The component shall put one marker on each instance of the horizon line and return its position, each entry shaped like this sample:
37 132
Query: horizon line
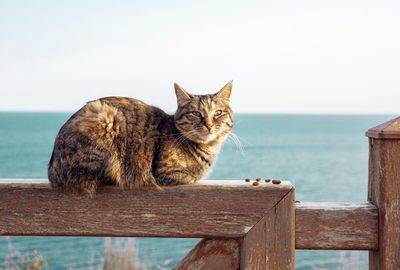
239 112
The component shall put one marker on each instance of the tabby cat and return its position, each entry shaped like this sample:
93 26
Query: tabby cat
124 141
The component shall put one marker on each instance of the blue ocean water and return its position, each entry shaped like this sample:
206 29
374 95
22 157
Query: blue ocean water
324 156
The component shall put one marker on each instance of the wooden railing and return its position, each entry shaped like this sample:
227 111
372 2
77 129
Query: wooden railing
243 226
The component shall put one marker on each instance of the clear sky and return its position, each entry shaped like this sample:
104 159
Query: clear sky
284 56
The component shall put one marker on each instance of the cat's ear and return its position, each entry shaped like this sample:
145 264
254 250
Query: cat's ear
181 95
225 92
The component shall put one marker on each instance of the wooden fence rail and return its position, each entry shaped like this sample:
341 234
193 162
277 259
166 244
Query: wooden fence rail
226 209
341 226
244 226
250 215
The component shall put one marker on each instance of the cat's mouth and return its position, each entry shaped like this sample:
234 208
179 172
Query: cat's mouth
202 136
205 135
210 136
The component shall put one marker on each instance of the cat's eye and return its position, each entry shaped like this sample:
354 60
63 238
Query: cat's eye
218 113
196 113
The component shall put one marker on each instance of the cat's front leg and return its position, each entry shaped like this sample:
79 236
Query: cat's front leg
175 177
136 180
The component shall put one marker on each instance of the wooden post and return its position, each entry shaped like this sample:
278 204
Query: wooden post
384 192
270 244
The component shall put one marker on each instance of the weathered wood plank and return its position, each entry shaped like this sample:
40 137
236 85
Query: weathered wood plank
318 225
209 209
270 244
212 254
336 226
384 192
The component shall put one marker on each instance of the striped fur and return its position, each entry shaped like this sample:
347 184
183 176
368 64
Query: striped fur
125 142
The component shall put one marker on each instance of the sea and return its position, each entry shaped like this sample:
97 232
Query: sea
324 156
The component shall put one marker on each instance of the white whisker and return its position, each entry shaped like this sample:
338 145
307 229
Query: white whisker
235 139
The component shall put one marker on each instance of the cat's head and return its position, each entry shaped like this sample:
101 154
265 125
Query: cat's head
204 118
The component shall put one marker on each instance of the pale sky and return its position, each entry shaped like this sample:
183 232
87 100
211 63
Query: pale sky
284 56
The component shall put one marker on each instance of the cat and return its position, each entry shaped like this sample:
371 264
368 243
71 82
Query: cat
125 142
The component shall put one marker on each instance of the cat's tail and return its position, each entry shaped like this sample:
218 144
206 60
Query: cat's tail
101 121
79 159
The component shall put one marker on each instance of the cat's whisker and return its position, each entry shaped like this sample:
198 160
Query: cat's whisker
181 138
242 139
230 139
240 147
235 139
238 139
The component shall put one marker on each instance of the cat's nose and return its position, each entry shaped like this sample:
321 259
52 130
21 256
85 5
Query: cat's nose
208 126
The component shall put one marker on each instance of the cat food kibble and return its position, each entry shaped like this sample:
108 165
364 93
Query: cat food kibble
276 182
267 180
256 183
247 180
258 179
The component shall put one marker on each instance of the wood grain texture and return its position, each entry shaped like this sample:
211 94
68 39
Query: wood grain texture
318 225
387 130
212 254
210 209
270 244
336 226
384 192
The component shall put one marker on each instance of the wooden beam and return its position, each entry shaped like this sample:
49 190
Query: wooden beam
209 209
384 192
336 226
270 244
318 225
212 254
